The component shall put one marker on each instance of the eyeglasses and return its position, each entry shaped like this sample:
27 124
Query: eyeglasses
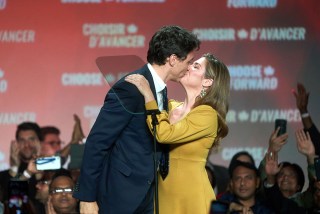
61 190
43 182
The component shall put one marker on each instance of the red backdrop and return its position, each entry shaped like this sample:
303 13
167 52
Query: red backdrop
48 51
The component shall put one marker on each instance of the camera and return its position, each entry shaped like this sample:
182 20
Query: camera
282 123
48 163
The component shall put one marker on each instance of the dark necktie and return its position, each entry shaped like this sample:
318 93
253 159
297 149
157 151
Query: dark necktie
164 160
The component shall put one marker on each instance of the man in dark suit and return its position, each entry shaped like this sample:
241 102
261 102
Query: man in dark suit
117 171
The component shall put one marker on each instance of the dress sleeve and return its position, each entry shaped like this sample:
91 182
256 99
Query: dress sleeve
200 122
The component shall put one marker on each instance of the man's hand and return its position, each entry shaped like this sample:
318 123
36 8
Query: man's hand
77 134
302 98
272 167
14 154
276 143
305 145
89 207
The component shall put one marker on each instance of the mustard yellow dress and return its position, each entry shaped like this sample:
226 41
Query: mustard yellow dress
186 189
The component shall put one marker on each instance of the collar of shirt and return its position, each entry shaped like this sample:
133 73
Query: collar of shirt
158 84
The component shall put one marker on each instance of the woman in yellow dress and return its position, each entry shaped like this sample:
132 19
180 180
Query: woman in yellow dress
191 128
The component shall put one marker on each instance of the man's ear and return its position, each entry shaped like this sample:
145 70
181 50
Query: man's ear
207 82
172 59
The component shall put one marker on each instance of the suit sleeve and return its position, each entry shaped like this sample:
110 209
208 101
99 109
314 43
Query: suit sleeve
114 116
200 121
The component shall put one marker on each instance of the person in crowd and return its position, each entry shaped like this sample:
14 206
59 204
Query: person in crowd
191 128
316 199
42 193
51 143
302 99
118 168
222 178
243 156
244 184
284 183
218 183
23 150
60 197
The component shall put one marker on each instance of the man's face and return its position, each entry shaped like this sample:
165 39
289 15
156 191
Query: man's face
28 144
181 67
287 180
61 195
50 145
244 183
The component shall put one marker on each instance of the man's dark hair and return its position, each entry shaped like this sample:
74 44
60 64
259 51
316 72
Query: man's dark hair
26 126
59 173
49 130
171 40
247 165
235 158
299 172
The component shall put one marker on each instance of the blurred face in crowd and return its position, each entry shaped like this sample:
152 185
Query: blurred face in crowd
28 144
244 183
50 145
42 193
287 180
61 195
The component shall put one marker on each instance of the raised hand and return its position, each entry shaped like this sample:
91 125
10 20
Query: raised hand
302 98
305 145
272 167
14 154
276 143
77 133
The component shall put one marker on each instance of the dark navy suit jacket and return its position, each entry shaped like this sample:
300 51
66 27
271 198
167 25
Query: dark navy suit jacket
117 167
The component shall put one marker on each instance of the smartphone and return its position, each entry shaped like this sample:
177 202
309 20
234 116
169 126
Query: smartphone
48 163
317 167
282 123
219 207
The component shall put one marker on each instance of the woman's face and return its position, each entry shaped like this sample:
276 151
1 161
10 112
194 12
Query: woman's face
195 74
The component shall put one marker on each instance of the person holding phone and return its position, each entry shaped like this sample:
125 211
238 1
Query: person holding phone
22 152
284 183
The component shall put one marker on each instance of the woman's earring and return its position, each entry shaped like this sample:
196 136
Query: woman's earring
202 92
